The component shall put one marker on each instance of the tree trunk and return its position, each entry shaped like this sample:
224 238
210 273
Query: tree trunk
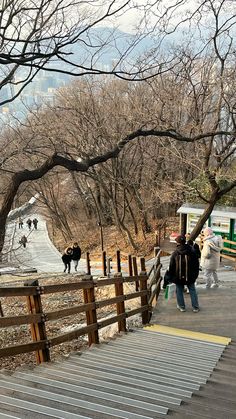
204 217
6 207
132 217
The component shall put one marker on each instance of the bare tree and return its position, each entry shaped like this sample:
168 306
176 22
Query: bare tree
203 70
69 37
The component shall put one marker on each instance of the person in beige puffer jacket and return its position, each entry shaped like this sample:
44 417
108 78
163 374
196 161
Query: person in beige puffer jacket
210 257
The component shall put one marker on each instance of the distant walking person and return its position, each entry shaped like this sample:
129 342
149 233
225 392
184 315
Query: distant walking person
184 270
29 223
66 258
23 241
210 257
20 222
76 255
35 223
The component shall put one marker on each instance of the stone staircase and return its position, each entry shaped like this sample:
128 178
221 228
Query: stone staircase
143 374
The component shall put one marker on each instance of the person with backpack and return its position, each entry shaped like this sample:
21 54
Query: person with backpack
76 254
66 258
184 270
210 257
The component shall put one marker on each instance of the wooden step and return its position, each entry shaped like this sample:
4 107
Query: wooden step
143 375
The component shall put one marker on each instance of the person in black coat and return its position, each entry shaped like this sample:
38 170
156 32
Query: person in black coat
184 270
66 258
76 254
23 241
35 223
194 245
29 223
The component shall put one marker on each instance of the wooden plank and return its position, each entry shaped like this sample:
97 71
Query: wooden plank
114 300
120 306
153 295
18 320
133 278
53 315
142 265
22 349
66 337
150 271
229 250
135 271
18 291
111 320
233 258
1 310
104 263
228 256
85 296
136 294
136 311
130 267
118 261
143 286
38 330
49 289
155 277
229 241
91 315
115 319
110 281
88 264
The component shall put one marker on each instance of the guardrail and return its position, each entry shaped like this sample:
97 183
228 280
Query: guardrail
229 252
147 288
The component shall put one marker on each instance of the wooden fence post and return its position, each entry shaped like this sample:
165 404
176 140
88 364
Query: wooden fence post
135 269
118 263
1 310
130 265
88 264
156 250
104 263
120 307
91 315
143 287
38 330
142 265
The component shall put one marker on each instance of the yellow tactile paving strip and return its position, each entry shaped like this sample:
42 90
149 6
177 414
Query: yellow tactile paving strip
222 340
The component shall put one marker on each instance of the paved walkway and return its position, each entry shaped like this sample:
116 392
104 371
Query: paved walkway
218 307
40 253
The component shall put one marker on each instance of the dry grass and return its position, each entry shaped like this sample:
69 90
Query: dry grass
89 239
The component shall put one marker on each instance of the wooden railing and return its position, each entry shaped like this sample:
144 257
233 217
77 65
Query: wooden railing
229 252
147 288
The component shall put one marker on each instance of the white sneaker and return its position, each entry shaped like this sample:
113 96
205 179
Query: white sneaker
196 309
215 285
183 309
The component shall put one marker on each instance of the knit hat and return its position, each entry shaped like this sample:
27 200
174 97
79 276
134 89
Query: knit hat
180 239
208 231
